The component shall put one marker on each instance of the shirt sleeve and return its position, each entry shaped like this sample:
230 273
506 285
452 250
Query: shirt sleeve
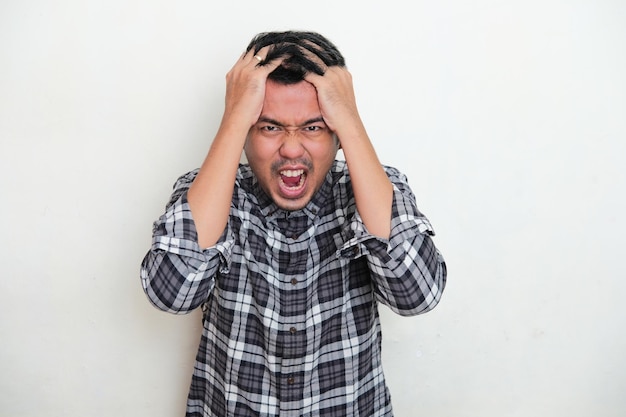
408 272
176 274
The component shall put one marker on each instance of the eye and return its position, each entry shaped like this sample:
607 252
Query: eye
270 129
313 130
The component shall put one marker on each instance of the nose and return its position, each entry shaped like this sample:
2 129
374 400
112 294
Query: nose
291 147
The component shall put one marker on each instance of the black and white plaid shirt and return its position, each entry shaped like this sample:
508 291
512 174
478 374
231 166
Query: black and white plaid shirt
291 325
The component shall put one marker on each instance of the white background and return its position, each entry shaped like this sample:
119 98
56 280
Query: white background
509 119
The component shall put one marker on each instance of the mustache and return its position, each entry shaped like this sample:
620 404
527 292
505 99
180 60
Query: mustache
276 165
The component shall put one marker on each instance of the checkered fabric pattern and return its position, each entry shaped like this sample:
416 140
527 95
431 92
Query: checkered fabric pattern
289 299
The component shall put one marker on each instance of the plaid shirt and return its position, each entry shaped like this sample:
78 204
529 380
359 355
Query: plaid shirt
289 299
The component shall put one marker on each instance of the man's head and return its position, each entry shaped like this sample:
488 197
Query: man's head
291 149
297 48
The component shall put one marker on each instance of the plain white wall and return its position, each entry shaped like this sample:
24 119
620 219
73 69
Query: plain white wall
509 118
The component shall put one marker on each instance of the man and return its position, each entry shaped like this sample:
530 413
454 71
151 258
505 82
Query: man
289 254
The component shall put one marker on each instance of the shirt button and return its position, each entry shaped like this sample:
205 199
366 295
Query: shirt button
294 281
291 380
293 330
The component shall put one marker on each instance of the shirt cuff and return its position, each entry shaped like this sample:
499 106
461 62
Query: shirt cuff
175 232
359 242
406 222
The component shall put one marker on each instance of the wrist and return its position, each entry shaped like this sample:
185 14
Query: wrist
235 128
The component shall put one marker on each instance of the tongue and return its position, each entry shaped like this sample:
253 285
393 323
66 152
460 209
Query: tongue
291 181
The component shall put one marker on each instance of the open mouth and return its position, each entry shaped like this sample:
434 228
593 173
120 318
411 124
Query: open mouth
292 179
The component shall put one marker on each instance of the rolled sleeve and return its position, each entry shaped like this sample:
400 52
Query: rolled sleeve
177 274
407 270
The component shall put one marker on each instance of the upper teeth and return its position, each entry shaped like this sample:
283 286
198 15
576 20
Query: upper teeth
292 172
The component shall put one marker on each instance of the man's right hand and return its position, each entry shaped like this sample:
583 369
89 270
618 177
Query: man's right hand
245 87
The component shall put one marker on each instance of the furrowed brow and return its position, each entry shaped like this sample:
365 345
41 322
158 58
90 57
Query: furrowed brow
264 119
314 120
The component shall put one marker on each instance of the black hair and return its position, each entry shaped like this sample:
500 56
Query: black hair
293 46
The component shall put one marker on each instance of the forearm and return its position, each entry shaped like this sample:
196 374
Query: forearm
371 187
210 194
373 192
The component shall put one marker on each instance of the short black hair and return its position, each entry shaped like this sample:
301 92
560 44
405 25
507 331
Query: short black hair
292 45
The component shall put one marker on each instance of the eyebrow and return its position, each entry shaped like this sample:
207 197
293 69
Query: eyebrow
264 119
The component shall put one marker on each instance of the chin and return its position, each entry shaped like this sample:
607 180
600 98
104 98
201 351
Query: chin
291 205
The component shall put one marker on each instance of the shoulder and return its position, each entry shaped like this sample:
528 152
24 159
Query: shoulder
340 175
245 177
246 192
394 174
185 180
339 170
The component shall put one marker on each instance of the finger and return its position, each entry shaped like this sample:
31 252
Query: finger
315 59
257 58
314 78
320 82
248 56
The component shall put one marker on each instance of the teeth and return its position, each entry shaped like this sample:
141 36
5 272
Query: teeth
292 172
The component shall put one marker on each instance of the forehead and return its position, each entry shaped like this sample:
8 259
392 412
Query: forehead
290 104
